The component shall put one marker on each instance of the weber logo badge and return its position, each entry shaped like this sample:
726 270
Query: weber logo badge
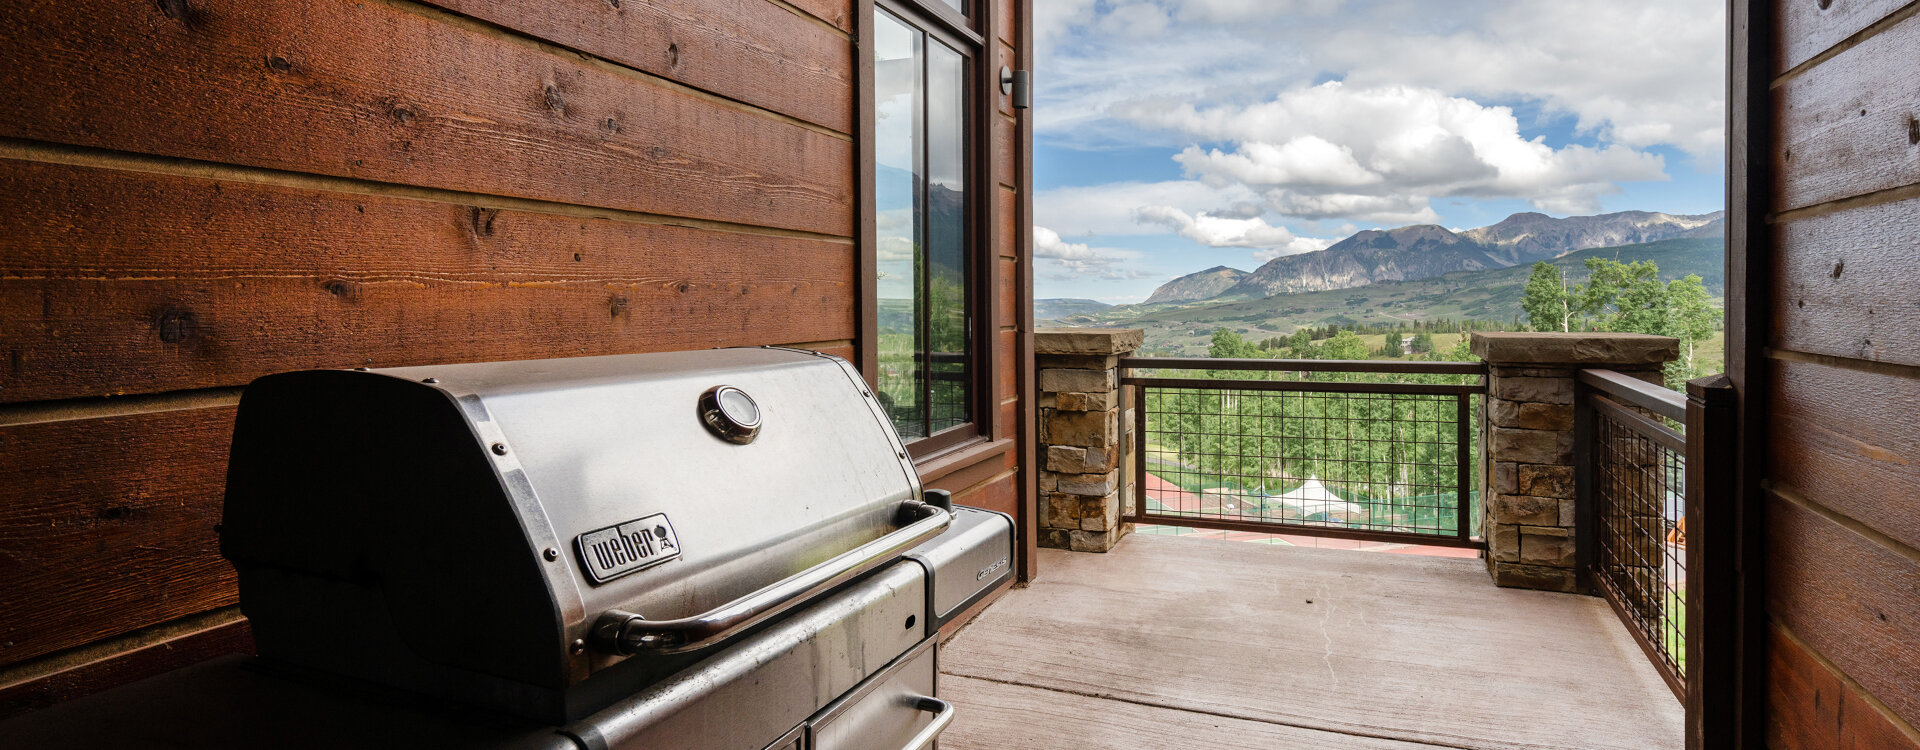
618 550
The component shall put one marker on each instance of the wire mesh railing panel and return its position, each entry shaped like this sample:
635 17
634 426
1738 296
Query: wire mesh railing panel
1639 557
1331 459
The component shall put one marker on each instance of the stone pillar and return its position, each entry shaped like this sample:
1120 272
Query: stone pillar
1080 430
1528 438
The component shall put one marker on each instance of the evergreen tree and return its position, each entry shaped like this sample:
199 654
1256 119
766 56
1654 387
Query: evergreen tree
1392 347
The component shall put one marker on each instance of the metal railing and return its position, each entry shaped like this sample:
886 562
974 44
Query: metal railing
1633 440
1372 450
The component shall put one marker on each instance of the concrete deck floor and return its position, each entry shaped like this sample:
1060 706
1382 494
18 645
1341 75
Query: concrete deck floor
1171 642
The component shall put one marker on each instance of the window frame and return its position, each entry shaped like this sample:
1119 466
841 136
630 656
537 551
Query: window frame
939 22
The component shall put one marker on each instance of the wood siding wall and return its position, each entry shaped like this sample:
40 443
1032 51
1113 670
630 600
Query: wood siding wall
1841 376
200 192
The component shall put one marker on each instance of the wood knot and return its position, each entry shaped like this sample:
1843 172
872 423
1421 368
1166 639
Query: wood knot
176 325
613 126
673 55
116 513
550 98
1913 131
1825 4
482 220
279 64
178 10
1838 268
617 306
614 3
685 287
401 114
341 288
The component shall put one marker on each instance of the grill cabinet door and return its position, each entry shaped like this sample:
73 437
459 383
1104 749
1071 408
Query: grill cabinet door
885 713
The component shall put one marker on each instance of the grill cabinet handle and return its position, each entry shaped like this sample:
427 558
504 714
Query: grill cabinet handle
625 633
942 716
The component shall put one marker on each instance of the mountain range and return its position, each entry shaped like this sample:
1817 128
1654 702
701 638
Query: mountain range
1426 250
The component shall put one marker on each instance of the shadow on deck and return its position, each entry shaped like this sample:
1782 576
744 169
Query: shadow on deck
1171 642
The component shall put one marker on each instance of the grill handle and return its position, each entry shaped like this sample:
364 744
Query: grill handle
942 716
626 634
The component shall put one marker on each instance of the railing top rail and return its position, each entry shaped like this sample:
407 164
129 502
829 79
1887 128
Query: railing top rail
1305 365
1636 392
1305 386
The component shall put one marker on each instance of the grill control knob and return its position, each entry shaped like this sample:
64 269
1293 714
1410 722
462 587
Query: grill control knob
730 414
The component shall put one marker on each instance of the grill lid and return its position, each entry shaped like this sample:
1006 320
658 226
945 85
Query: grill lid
572 511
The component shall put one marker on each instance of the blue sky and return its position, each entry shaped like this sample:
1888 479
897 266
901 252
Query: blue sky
1176 135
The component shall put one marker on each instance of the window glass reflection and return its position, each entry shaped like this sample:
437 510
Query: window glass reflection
920 203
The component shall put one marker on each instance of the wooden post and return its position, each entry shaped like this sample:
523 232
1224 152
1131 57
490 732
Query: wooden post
1713 518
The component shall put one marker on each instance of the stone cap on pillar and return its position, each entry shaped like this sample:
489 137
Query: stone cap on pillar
1094 342
1589 348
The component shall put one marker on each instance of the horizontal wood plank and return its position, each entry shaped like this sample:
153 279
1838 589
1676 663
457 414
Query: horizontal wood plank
392 92
1846 126
1008 361
1009 280
844 351
1001 495
126 667
973 466
1847 440
1843 283
1006 151
837 13
1849 599
1006 240
1808 28
749 50
191 283
107 527
1006 21
1810 707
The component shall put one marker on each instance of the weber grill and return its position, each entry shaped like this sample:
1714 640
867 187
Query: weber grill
718 549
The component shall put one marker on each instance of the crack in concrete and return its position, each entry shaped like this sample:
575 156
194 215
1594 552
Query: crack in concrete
1321 593
1237 717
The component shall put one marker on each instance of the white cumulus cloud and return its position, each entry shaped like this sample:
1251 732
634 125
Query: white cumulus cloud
1638 73
1232 231
1108 209
1379 154
1077 260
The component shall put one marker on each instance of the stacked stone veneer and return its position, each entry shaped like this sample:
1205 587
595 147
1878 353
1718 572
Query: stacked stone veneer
1081 412
1529 521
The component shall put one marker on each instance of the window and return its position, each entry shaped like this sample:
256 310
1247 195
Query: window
925 276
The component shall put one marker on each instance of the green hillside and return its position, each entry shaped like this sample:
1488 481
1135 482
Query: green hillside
1055 309
1479 295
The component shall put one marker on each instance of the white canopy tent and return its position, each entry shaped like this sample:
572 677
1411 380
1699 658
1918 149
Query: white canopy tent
1313 498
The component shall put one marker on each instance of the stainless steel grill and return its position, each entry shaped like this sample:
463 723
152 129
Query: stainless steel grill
719 549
